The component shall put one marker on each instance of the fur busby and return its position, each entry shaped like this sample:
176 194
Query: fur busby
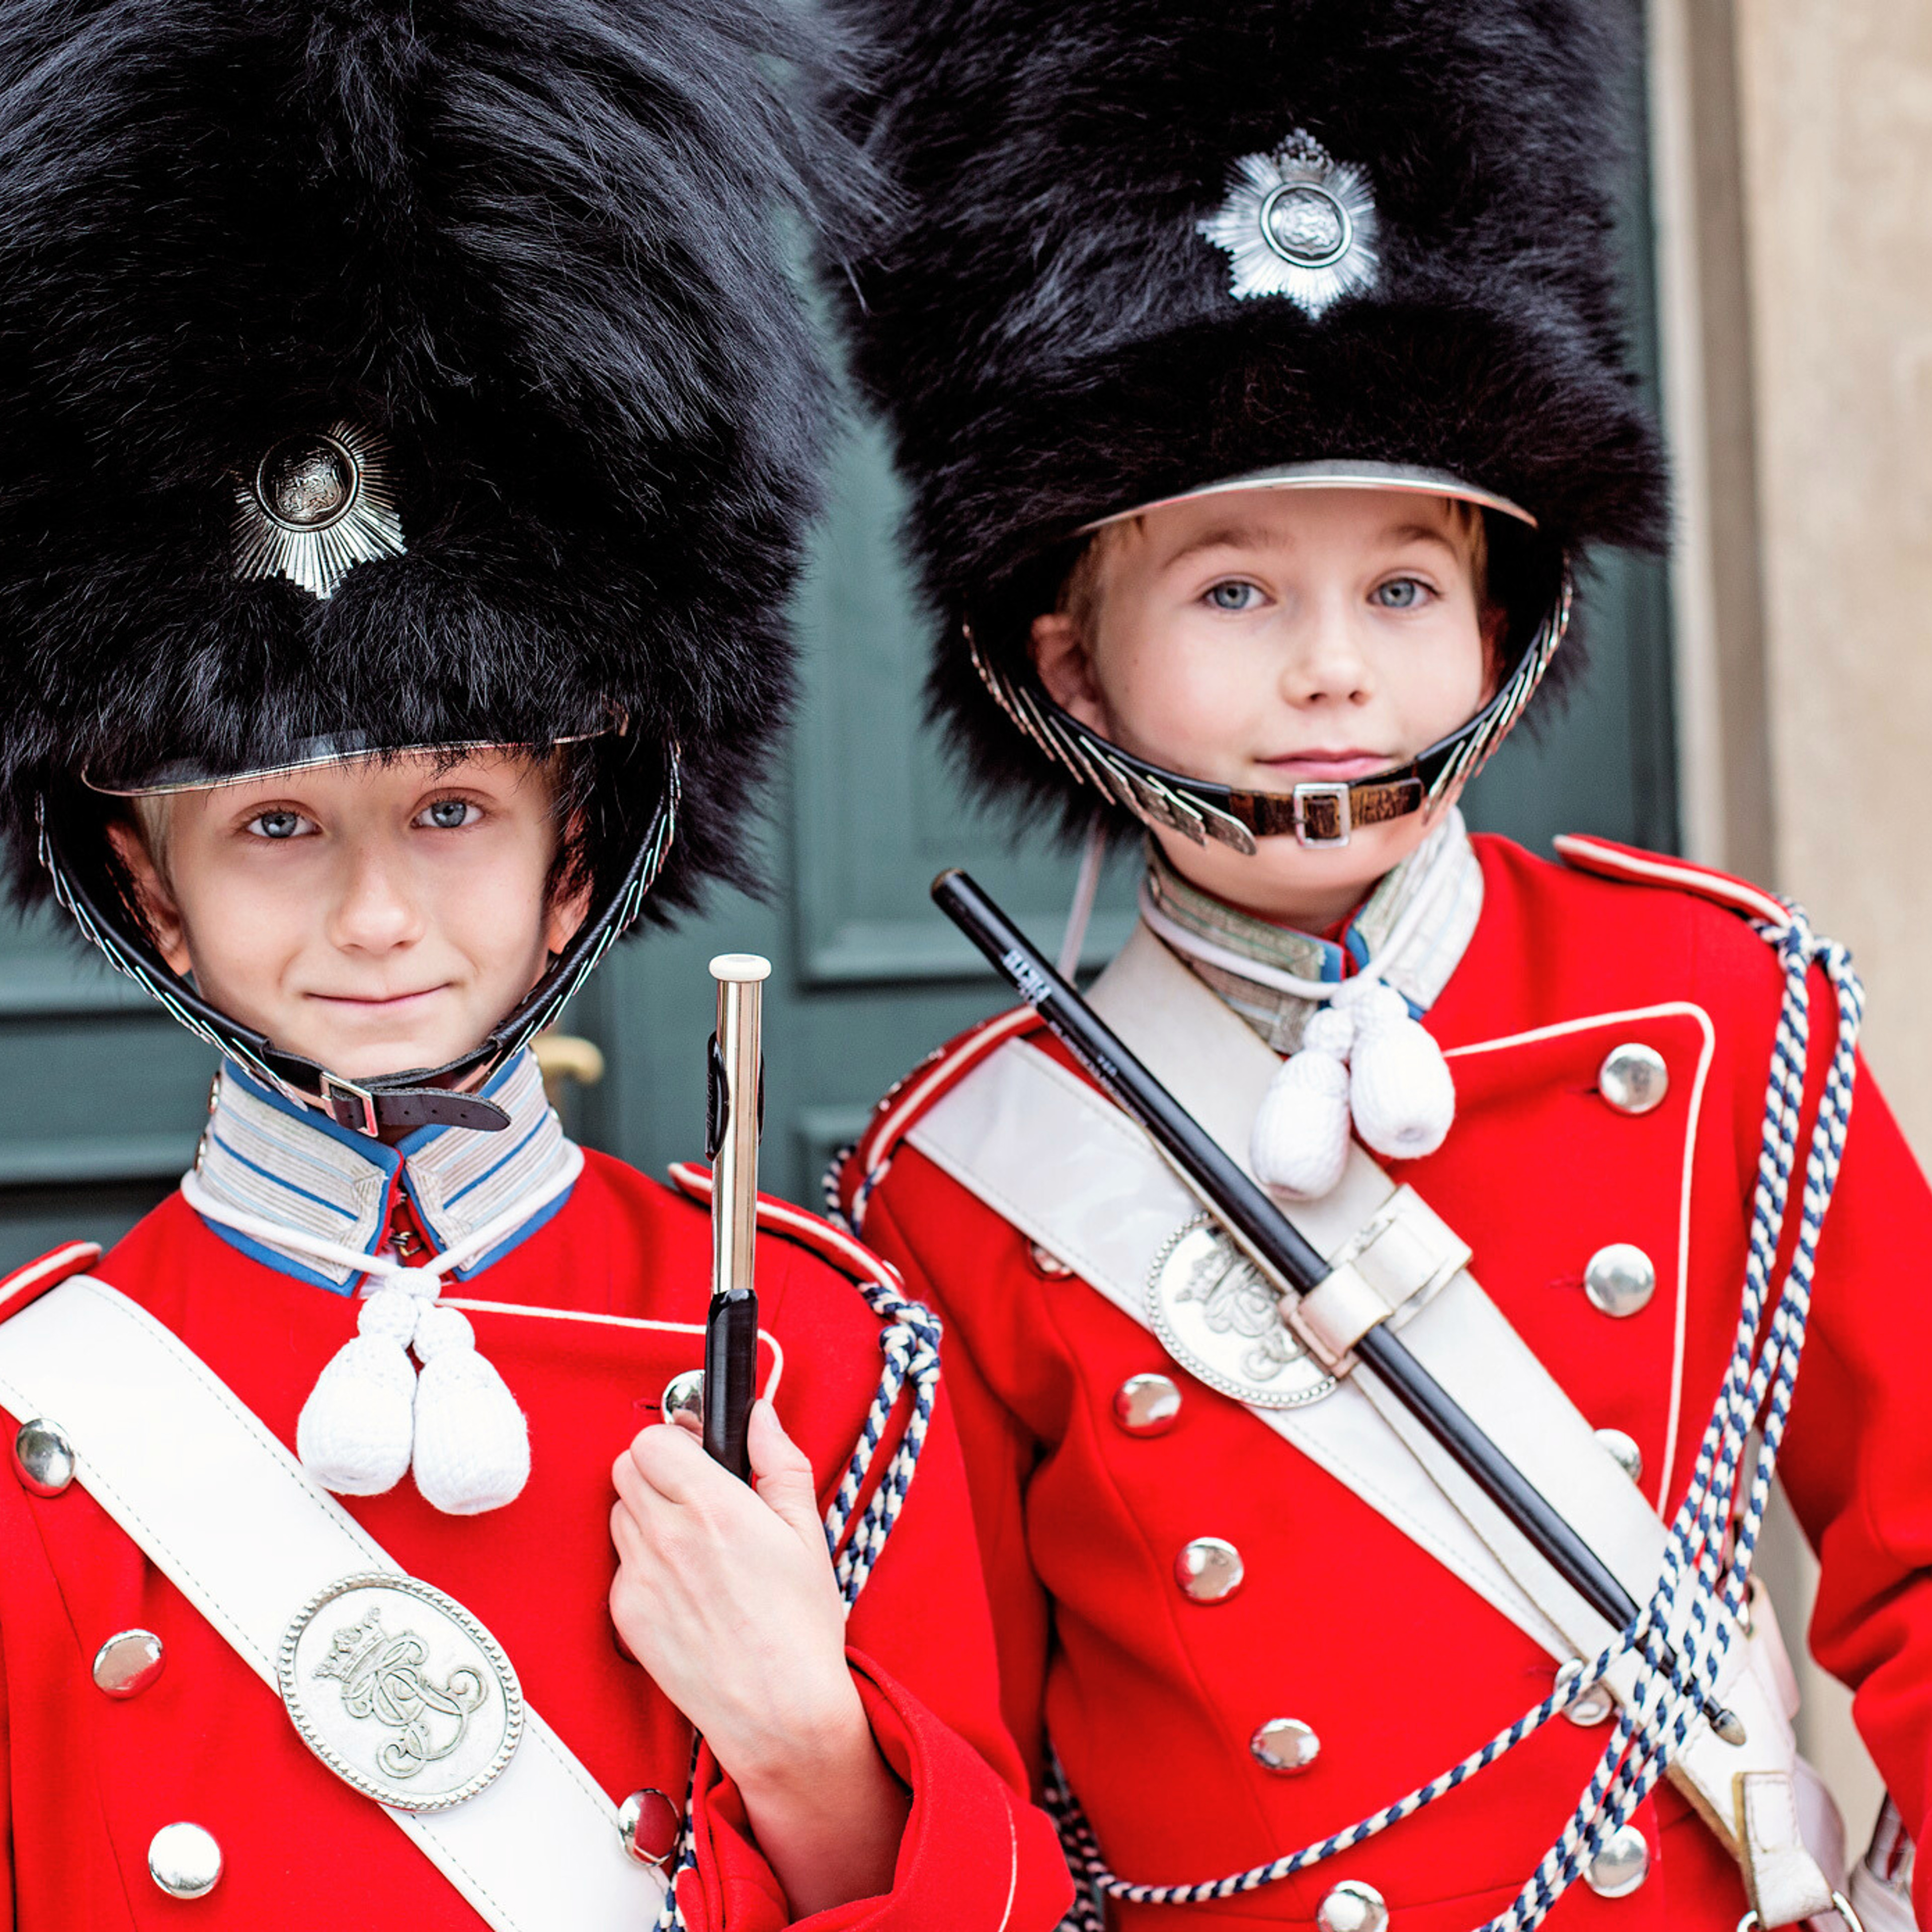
1076 310
546 251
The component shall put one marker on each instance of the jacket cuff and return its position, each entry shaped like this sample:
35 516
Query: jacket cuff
975 1854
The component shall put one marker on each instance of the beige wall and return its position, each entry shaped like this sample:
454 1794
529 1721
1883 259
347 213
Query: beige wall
1794 170
1836 98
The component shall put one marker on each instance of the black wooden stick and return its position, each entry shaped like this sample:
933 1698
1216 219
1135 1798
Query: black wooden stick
1283 1252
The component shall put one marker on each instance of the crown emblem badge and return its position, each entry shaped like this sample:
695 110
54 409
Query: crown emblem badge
316 504
1297 223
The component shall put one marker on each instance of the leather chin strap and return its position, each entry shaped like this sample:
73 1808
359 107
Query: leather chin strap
422 1096
1318 814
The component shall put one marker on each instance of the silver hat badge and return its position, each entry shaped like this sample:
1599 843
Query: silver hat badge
1297 223
318 503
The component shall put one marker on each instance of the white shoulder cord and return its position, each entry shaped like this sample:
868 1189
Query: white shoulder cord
370 1416
1086 889
1364 1065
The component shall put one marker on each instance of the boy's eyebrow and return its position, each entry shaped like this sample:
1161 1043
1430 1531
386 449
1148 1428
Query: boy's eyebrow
1423 533
1260 536
1225 536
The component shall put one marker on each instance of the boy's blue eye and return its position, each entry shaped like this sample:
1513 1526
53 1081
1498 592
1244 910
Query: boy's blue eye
277 824
1234 595
447 815
1399 593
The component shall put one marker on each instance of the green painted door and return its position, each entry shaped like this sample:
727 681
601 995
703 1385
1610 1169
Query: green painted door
105 1096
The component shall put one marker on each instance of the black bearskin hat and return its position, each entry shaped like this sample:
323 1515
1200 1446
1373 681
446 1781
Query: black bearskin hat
530 263
1109 283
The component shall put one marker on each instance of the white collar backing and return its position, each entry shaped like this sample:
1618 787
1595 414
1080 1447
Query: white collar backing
287 1166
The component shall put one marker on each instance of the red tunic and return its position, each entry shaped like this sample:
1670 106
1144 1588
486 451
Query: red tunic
86 1782
1151 1699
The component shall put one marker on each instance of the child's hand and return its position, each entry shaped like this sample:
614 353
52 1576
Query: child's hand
727 1596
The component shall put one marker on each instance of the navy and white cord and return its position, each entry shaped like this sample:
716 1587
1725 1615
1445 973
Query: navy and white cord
1698 1570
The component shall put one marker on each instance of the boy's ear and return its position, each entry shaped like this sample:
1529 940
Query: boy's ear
157 903
564 916
1065 671
1495 665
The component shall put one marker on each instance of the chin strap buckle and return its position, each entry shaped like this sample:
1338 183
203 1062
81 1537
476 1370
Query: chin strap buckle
1322 816
350 1106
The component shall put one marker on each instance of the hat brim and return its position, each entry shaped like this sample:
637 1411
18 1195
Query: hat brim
1334 474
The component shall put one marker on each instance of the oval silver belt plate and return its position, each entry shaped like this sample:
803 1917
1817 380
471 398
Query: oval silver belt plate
401 1691
1219 1319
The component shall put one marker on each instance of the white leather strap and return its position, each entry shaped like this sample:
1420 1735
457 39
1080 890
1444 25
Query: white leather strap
231 1518
1057 1160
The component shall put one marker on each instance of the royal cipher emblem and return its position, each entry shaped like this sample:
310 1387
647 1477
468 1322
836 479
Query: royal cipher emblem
400 1692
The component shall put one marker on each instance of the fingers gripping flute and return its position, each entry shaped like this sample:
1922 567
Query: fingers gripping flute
1281 1252
734 1110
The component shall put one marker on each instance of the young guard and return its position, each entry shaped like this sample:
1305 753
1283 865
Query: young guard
410 432
1258 376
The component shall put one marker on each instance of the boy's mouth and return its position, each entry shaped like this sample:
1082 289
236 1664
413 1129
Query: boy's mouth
1322 766
386 1003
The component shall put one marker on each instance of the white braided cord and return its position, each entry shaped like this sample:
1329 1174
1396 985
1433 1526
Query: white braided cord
1698 1569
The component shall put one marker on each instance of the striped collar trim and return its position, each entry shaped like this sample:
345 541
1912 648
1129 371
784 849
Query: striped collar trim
1444 867
264 1155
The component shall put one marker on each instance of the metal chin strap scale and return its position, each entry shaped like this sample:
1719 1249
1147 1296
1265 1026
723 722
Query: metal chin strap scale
422 1096
1317 814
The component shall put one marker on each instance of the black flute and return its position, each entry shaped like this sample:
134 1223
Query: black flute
1283 1254
733 1112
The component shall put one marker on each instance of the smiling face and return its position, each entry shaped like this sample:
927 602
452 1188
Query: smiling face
1266 638
375 917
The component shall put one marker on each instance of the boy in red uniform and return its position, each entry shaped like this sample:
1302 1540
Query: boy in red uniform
1259 383
409 442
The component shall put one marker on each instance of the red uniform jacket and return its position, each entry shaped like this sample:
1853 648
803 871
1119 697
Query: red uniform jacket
1151 1699
86 1782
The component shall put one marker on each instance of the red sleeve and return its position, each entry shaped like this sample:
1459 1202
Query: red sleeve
976 1854
1858 1455
6 1796
1000 1451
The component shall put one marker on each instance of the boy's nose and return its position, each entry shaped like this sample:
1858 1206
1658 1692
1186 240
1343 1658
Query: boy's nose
1324 661
376 908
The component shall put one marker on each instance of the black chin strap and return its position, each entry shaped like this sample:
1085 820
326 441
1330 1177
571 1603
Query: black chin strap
1318 813
423 1096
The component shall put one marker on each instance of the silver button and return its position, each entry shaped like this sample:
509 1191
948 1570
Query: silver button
1623 1450
684 1394
42 1457
1048 1265
127 1663
184 1861
1352 1907
1620 1279
1621 1866
1594 1706
1286 1745
1146 1405
1633 1078
1208 1570
649 1823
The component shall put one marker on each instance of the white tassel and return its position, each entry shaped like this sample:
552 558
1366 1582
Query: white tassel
355 1430
472 1446
1399 1091
1363 1060
1299 1143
